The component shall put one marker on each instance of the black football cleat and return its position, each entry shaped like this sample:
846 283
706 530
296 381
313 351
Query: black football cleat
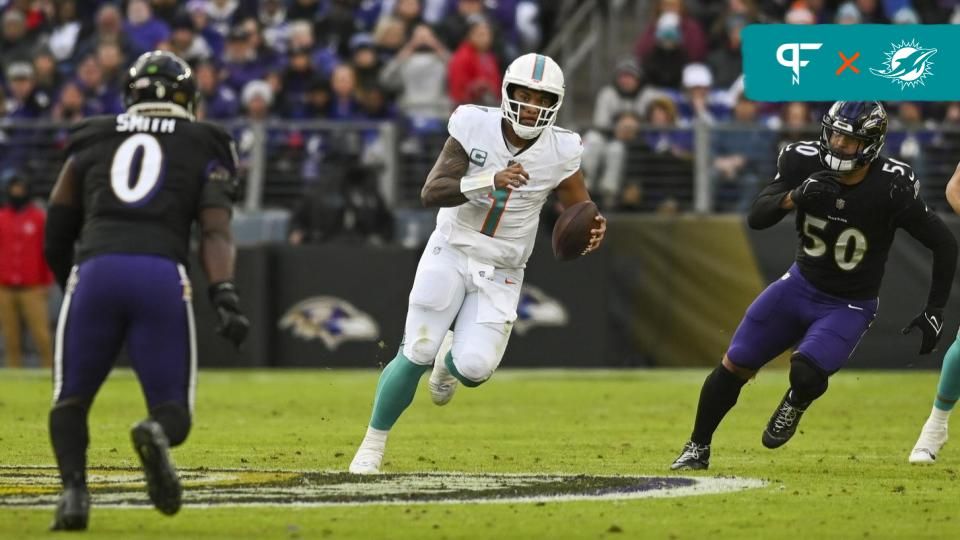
694 457
163 485
73 510
783 424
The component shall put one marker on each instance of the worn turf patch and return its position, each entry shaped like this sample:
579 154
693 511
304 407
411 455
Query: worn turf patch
39 486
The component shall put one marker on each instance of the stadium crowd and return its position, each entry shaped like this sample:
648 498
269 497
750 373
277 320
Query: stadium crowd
410 62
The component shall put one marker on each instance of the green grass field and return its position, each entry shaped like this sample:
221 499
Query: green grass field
844 476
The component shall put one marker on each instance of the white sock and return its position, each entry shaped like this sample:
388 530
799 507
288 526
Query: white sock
939 417
376 438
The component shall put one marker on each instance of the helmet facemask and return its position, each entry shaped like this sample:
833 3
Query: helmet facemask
835 159
510 107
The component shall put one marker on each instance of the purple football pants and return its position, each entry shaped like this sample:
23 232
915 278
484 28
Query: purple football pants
142 301
791 311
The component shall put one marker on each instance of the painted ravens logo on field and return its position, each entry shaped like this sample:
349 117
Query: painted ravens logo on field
536 308
331 320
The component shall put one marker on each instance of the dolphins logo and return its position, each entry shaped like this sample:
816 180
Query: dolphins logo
907 64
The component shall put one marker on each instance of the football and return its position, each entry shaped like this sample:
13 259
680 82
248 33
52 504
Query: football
571 234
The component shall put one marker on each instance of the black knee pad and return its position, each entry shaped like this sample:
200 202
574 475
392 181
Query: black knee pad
174 418
807 380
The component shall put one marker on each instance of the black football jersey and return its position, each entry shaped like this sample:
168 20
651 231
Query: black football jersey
844 242
144 180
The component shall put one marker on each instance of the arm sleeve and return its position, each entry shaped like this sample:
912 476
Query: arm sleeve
220 187
766 211
924 225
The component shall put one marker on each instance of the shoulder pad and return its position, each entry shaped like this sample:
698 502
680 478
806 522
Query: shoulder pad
799 159
89 131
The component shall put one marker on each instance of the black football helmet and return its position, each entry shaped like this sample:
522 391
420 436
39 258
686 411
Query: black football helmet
161 77
865 121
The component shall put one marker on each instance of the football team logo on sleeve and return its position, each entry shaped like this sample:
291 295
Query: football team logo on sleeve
331 320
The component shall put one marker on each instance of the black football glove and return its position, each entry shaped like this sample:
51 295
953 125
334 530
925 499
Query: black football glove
234 325
930 322
820 186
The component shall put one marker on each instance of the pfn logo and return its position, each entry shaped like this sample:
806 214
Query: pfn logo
794 62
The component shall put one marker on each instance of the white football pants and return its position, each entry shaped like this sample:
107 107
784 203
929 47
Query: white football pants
482 299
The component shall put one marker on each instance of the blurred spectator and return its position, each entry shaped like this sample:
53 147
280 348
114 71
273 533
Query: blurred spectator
418 72
111 61
375 104
740 159
799 13
46 77
273 19
65 31
631 198
725 59
848 14
15 44
197 10
336 25
143 29
24 276
672 39
166 10
304 9
297 78
365 61
909 135
264 53
664 137
625 94
905 15
343 100
109 28
796 124
698 104
323 59
100 98
240 63
318 99
453 29
257 100
70 105
389 36
610 175
408 12
345 207
218 101
665 59
872 12
474 75
186 43
25 101
736 13
223 14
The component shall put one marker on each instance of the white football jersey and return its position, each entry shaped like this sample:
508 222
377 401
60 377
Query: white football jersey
500 228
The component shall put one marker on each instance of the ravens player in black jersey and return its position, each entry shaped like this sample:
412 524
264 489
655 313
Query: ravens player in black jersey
849 202
117 239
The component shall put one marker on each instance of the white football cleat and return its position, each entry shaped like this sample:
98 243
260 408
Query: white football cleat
442 384
370 454
932 438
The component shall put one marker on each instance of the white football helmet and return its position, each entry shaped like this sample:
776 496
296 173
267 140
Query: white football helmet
537 72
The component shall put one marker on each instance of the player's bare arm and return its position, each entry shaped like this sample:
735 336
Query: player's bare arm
573 190
217 252
64 219
445 182
953 190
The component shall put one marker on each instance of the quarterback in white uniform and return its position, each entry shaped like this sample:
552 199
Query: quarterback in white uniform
493 175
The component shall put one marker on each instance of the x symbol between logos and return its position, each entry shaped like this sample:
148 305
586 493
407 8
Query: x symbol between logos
848 63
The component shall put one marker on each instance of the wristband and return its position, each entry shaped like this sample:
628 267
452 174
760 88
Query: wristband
477 184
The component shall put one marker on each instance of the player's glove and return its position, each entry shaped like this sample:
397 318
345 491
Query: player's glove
930 322
234 325
819 186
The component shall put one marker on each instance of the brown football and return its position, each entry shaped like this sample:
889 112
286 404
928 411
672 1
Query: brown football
571 234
